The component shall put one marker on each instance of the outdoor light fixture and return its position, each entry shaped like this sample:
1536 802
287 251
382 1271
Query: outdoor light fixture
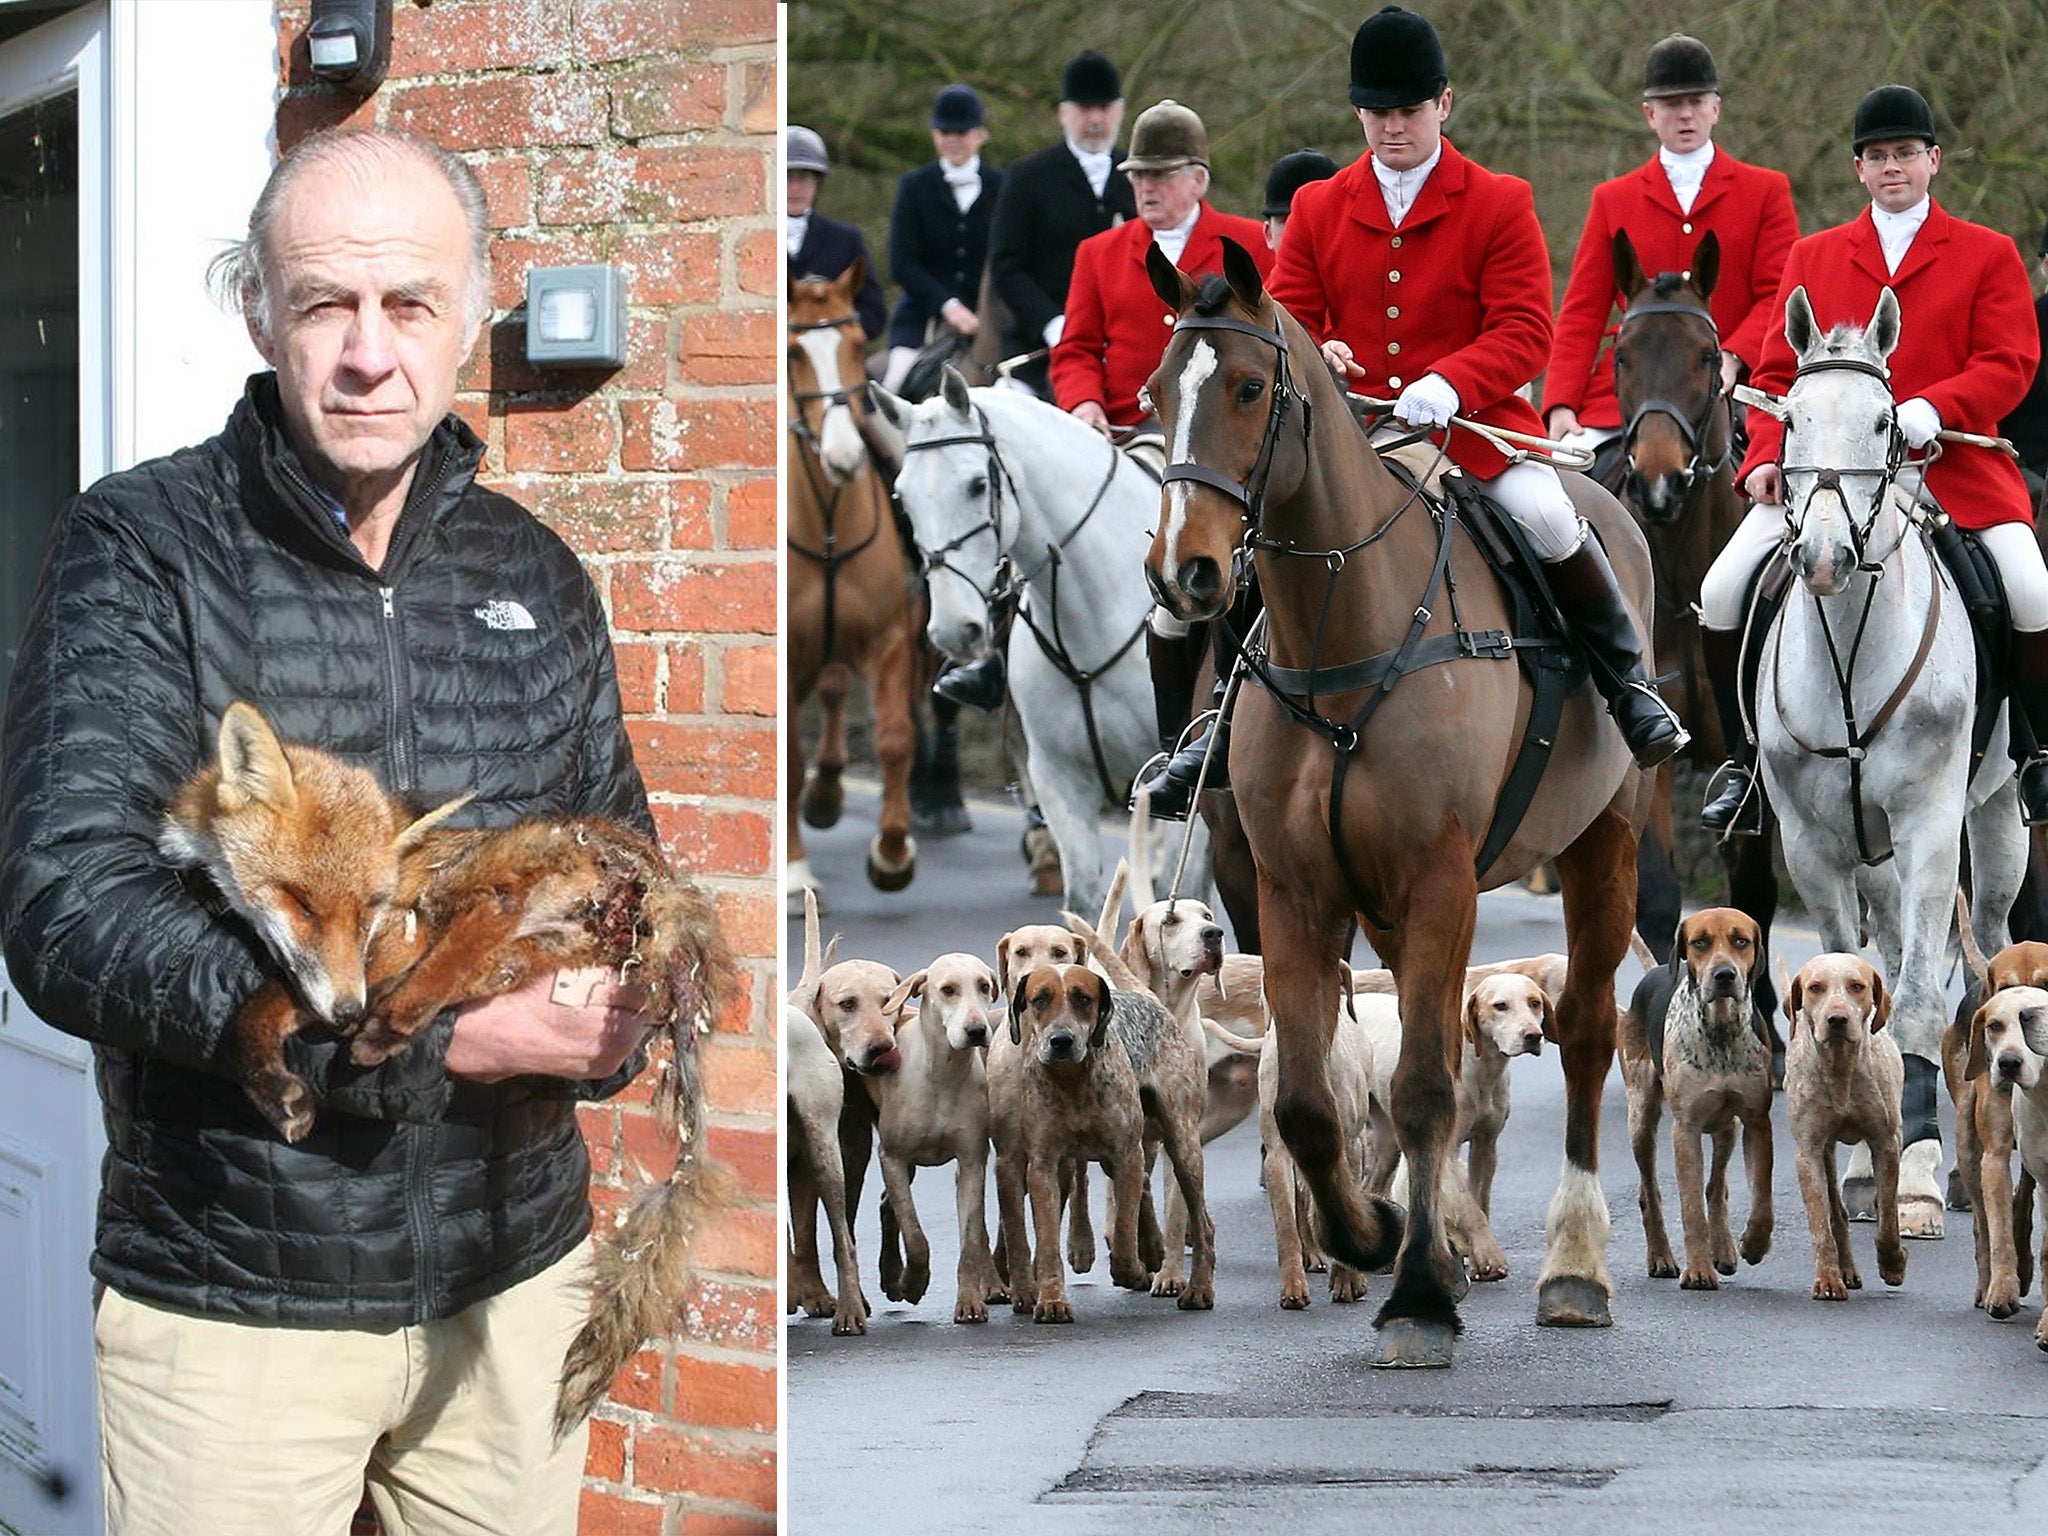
576 317
350 42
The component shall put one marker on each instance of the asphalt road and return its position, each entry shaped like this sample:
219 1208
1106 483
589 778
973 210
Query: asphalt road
1896 1412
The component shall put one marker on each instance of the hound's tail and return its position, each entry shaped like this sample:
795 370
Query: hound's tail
1972 956
1641 951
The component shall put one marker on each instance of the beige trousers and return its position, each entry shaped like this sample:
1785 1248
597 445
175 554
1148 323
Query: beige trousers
257 1429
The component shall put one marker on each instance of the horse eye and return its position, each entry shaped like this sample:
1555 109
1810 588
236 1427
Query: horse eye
1250 390
1884 425
978 486
1620 361
1710 359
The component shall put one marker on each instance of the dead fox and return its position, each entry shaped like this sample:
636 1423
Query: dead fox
381 919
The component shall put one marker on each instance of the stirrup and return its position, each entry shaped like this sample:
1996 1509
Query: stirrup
2034 790
1653 753
1747 817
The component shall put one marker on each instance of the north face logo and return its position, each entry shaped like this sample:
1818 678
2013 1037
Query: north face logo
503 613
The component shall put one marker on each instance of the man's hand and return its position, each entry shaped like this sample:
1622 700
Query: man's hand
1055 328
1431 401
961 318
1919 422
1338 355
573 1024
1731 371
1564 421
1765 486
1091 412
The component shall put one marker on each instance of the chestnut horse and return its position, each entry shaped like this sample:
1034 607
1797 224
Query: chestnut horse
1676 473
1266 455
849 596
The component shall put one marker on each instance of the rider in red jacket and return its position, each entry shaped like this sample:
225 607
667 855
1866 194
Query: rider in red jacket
1967 352
1425 277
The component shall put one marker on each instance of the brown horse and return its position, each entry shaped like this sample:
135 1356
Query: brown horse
849 597
1266 454
1676 473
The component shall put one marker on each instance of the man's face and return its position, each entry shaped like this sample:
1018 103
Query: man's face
803 191
959 148
1683 123
1094 128
1897 172
1401 138
1167 197
367 273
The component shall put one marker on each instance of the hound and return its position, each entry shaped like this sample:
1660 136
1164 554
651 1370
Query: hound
815 1096
1692 1033
1843 1078
2013 1029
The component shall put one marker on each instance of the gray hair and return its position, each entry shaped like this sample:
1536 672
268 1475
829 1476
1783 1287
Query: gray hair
239 276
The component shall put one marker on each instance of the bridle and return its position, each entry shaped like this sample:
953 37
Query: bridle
1699 469
829 557
1250 493
802 397
1829 478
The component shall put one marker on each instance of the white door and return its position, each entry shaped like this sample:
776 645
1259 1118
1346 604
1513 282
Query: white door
53 271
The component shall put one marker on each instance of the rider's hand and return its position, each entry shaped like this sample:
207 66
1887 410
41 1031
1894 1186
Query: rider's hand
1055 328
1431 401
1338 356
1091 412
1919 422
1765 486
1564 421
576 1024
1731 371
961 318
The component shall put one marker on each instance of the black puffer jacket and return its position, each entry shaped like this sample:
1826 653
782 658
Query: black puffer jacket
477 660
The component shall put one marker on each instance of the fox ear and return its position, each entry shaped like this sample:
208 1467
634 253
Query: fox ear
409 838
253 766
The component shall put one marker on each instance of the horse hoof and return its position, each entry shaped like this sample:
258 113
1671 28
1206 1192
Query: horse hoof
1920 1218
884 876
1958 1191
823 802
1411 1343
1571 1301
1859 1198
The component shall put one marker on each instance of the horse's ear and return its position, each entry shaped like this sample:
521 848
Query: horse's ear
1706 264
1883 334
1802 331
894 408
854 276
1628 271
953 389
1168 281
1242 273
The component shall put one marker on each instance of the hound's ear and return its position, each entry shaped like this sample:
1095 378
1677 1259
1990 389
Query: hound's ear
1881 1002
953 390
1242 273
1706 265
1017 1011
2034 1029
1794 990
1976 1064
893 408
1802 331
1104 1007
1676 964
1003 961
1549 1016
1133 952
899 1000
1883 335
1471 1017
1175 291
1628 269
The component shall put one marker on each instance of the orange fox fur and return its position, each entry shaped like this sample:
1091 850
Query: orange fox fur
380 920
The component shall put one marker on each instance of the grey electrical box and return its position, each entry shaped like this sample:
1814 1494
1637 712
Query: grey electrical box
576 317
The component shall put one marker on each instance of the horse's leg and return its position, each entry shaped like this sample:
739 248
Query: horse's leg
1420 1317
892 856
825 796
1927 883
1658 897
1999 851
1236 873
1069 798
1599 908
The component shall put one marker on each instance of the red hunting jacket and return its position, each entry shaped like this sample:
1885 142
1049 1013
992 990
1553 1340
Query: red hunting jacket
1461 289
1967 343
1117 328
1747 207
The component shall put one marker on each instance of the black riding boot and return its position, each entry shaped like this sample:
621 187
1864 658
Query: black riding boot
982 684
1584 584
1175 663
2030 695
1735 807
935 806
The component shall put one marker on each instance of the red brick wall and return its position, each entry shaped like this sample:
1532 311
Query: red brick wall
643 132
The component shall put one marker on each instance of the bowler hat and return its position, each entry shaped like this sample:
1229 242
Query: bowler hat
1396 61
1290 174
805 150
1166 137
1893 112
1090 80
1679 66
957 109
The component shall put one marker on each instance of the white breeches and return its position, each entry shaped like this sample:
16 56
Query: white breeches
1166 626
2012 546
1536 499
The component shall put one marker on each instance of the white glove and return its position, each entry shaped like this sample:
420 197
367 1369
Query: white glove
1918 421
1429 402
1054 328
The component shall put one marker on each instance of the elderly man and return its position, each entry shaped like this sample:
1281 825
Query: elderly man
1290 173
1114 338
1689 189
1968 348
818 246
1425 278
938 232
390 1298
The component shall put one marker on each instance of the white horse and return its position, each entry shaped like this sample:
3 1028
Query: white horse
1001 487
1877 657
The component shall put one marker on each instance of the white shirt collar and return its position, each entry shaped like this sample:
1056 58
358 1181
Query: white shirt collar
1094 165
1401 188
1173 241
1686 171
1895 231
794 228
963 181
